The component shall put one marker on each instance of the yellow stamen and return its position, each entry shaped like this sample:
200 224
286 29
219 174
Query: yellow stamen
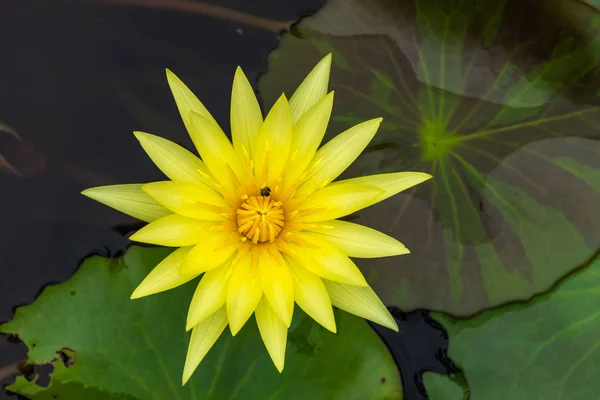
260 219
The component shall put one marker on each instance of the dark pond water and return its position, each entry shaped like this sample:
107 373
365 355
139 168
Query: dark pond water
76 77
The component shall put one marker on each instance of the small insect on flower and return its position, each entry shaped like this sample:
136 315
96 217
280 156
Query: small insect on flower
265 192
256 218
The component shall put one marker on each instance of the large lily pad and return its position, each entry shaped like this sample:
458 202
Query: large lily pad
444 387
547 349
105 346
488 96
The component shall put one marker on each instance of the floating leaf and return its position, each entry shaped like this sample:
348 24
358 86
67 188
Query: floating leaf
545 349
488 96
443 387
119 348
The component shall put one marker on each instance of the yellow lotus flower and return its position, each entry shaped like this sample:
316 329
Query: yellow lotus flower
258 217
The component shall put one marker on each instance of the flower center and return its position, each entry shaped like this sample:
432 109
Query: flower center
260 218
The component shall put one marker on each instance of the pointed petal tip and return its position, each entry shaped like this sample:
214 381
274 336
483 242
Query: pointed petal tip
172 79
141 135
138 294
389 322
137 237
186 377
279 366
94 193
361 283
332 328
357 279
239 72
234 329
132 236
326 60
400 249
423 176
240 78
282 99
418 177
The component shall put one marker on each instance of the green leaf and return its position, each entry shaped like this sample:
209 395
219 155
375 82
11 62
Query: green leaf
135 349
444 387
546 349
490 97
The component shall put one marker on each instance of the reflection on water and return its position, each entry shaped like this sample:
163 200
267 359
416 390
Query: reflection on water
498 101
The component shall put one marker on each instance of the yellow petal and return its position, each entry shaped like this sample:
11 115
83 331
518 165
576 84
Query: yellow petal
190 200
164 276
246 117
209 254
391 183
177 163
359 241
243 292
311 295
277 285
341 151
273 143
272 331
203 338
335 201
325 260
311 89
186 101
209 296
307 135
217 152
129 199
361 301
173 230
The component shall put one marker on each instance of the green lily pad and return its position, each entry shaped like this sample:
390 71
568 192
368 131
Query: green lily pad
487 96
547 349
135 349
444 387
